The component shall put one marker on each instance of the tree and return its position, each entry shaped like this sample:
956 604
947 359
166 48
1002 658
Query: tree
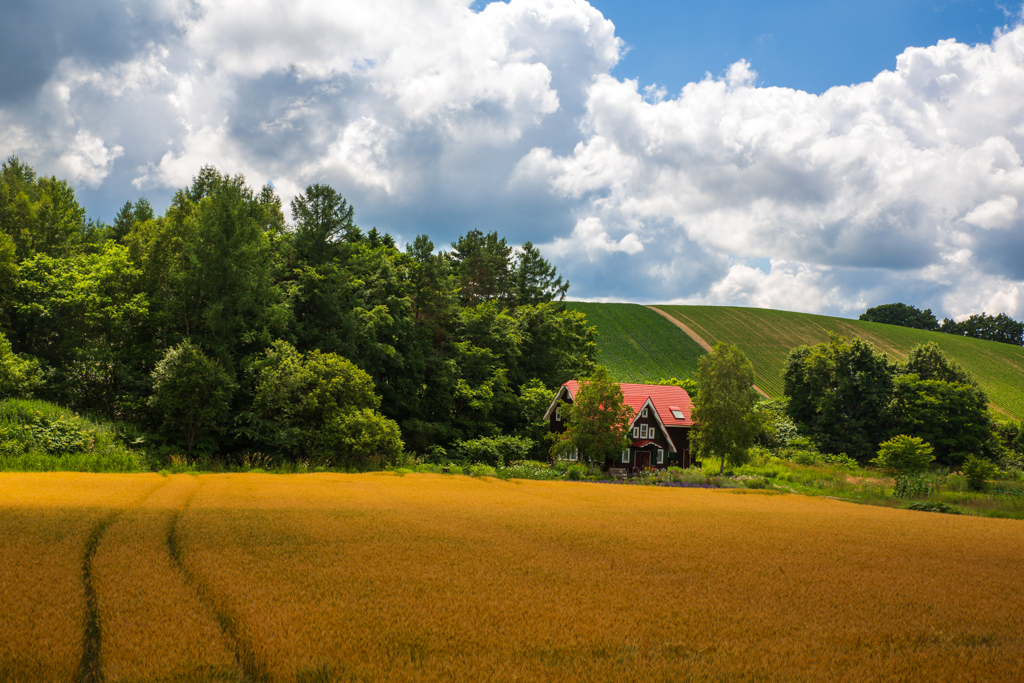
598 420
997 328
839 392
723 412
904 454
483 267
928 362
903 315
950 416
323 219
18 376
537 281
191 392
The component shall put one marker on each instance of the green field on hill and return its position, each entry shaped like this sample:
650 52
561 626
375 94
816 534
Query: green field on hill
766 336
638 345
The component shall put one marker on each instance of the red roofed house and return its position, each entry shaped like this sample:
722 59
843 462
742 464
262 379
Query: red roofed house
660 431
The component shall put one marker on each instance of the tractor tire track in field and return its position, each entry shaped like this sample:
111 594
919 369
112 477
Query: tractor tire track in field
695 337
90 670
250 668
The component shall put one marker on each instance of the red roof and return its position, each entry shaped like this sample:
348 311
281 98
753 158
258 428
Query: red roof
663 397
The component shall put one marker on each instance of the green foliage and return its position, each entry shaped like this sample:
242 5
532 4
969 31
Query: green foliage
952 417
314 405
903 315
40 436
359 439
726 424
598 420
639 345
40 215
998 328
904 454
777 430
495 450
911 486
18 376
191 392
576 472
936 506
841 391
766 337
978 471
928 362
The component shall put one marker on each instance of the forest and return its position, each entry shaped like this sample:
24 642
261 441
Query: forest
222 329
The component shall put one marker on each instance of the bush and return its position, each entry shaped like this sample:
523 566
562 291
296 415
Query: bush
576 472
18 376
978 470
911 487
362 439
928 506
904 454
495 450
38 436
530 469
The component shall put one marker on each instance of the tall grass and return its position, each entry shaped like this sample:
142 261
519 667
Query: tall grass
335 577
38 436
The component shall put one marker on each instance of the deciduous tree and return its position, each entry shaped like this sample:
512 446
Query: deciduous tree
726 425
598 420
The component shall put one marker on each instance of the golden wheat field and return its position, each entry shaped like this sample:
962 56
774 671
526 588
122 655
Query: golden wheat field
377 577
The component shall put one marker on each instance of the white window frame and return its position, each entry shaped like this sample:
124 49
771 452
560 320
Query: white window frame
652 432
643 413
661 456
558 414
643 431
625 455
636 432
678 414
575 455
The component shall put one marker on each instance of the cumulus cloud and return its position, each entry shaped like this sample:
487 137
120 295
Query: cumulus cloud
901 175
431 116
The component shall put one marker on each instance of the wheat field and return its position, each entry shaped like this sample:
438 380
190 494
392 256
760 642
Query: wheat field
377 577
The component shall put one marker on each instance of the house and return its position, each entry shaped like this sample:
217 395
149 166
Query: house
660 431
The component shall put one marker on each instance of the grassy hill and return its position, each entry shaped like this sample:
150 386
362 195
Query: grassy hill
638 345
766 336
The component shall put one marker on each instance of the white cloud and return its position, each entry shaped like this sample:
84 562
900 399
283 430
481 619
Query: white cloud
430 115
904 173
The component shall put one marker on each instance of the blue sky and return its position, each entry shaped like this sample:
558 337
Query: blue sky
809 46
822 157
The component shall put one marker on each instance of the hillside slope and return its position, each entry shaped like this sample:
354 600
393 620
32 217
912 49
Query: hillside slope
638 345
766 336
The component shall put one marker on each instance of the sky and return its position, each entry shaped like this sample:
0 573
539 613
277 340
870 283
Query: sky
812 156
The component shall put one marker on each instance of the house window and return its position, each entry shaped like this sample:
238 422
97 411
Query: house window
661 456
558 414
575 455
643 431
625 455
677 414
643 413
636 432
652 432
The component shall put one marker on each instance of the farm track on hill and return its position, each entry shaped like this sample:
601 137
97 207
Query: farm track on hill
766 336
638 344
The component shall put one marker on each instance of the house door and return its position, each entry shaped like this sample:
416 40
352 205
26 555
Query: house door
643 459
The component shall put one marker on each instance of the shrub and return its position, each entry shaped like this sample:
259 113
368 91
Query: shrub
495 450
576 472
928 506
18 376
911 487
904 454
978 470
362 439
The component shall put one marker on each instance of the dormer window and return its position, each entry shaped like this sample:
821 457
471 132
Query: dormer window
677 413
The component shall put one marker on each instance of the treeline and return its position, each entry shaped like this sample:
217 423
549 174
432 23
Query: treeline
848 399
220 327
999 328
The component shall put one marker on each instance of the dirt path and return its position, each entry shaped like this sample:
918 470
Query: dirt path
695 337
